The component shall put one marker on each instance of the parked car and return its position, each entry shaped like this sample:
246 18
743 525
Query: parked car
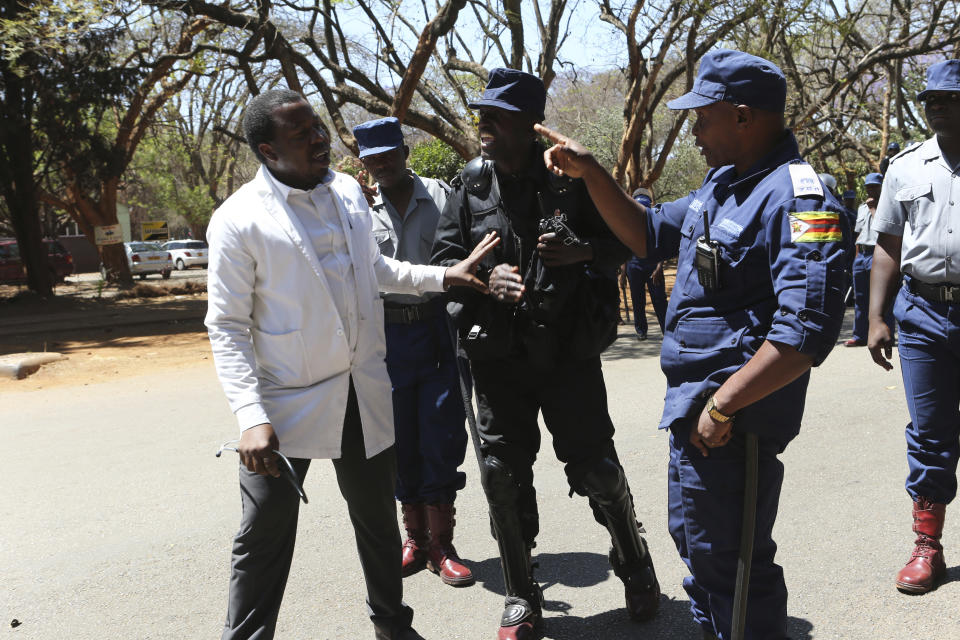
187 253
145 258
13 270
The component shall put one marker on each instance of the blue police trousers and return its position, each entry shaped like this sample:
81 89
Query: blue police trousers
929 348
705 496
428 412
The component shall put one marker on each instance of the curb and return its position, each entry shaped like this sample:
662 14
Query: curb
20 365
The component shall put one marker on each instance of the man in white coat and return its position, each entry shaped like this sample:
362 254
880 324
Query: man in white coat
296 326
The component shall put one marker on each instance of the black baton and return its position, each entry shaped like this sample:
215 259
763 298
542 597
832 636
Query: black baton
741 595
466 390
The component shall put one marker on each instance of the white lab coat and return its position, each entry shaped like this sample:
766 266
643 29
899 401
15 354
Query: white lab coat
278 342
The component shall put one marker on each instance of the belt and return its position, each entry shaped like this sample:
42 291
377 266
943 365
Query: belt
866 249
409 313
947 293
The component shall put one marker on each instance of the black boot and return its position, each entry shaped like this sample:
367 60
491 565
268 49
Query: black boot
523 605
606 485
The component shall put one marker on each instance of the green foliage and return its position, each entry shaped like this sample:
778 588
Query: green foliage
350 165
684 171
62 57
589 108
50 28
160 184
601 132
435 159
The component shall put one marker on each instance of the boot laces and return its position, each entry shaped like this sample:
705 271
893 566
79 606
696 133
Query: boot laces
924 547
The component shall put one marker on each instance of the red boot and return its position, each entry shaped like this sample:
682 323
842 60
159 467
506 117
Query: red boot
415 546
926 566
442 557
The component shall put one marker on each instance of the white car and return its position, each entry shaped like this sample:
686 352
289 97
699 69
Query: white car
145 258
187 253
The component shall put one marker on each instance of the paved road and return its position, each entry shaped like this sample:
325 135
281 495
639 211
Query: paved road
117 521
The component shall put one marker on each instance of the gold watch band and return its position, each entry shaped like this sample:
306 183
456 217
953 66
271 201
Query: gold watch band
715 413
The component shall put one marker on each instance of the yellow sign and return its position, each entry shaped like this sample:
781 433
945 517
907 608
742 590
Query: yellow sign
154 230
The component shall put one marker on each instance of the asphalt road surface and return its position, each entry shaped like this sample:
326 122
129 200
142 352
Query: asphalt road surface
117 520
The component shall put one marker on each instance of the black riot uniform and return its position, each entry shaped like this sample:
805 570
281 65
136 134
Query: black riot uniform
542 355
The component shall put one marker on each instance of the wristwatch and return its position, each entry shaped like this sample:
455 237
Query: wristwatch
715 413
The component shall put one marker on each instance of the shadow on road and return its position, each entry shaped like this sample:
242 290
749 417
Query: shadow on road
627 346
585 569
952 575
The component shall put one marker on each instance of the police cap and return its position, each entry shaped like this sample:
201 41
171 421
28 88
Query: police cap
378 136
737 77
943 76
514 91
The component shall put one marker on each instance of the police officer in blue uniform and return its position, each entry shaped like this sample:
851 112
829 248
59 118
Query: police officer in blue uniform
762 249
917 260
534 343
428 409
644 275
866 241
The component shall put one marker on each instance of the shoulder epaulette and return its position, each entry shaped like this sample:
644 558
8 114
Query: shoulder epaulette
805 180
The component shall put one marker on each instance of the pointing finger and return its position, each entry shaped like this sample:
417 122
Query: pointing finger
549 134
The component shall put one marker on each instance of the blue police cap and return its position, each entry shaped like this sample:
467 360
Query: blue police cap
378 136
893 146
514 91
873 178
943 76
849 194
736 77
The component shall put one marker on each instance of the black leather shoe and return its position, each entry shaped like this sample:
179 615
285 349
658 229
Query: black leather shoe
401 634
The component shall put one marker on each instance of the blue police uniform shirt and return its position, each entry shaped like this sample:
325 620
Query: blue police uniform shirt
784 248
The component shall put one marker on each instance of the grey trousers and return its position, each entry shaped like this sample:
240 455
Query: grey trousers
263 548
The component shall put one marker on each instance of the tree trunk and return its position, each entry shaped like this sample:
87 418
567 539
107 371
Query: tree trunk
25 216
885 117
114 260
20 187
91 214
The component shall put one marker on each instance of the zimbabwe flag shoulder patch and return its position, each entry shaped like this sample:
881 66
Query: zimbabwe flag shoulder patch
815 226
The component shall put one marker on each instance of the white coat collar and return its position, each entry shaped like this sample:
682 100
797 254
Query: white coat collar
274 199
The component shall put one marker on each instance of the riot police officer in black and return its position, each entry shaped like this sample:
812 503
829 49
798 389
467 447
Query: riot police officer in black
534 343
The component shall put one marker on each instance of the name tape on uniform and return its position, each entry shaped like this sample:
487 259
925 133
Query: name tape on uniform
806 182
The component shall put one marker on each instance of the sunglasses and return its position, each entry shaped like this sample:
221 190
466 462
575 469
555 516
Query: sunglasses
286 469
